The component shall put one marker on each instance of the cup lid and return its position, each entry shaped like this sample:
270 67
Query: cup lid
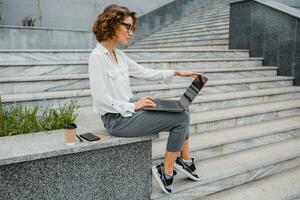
70 126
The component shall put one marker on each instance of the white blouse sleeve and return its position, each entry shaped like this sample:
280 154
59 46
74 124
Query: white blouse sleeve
100 92
139 71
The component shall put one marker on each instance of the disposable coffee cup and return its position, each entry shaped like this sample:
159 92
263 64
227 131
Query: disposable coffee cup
70 133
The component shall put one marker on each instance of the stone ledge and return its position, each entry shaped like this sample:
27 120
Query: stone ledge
28 147
43 28
117 172
41 166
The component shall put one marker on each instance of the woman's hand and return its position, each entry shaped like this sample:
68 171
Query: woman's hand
186 73
146 101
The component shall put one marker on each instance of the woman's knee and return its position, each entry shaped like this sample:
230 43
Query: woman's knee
185 116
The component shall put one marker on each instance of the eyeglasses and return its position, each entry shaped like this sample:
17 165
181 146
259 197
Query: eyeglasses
128 27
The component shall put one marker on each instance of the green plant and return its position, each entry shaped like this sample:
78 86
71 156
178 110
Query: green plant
1 115
20 119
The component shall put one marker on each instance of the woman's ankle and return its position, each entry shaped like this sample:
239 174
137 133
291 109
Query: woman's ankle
168 171
186 157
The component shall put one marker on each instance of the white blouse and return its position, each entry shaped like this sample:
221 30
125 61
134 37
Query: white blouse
109 81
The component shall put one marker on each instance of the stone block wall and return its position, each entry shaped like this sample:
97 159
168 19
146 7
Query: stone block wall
66 14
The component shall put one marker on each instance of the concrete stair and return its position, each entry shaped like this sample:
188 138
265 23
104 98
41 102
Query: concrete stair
79 67
40 83
235 169
221 43
184 36
76 87
213 29
245 123
217 143
204 26
192 38
283 185
16 56
237 126
193 21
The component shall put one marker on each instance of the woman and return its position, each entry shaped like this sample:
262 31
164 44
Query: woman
109 71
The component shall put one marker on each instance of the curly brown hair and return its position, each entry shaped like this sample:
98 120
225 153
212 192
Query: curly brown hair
108 21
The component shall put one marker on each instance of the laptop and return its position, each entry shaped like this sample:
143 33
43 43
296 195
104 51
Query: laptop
185 100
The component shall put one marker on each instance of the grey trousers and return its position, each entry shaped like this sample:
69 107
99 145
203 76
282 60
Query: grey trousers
145 123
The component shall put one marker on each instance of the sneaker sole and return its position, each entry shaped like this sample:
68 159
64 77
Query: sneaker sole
157 178
180 169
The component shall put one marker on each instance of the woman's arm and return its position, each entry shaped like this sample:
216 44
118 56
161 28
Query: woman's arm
138 71
186 73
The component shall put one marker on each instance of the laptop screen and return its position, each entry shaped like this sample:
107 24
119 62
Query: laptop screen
192 91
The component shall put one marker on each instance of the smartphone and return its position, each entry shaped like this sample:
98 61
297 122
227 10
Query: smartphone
89 137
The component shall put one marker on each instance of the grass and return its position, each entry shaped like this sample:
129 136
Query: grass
20 119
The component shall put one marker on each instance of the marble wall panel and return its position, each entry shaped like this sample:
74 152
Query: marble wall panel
239 37
274 36
296 66
256 34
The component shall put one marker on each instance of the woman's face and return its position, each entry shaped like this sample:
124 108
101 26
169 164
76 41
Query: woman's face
124 32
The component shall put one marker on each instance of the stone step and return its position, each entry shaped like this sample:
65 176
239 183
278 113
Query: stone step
184 36
214 86
223 46
196 22
136 54
54 98
215 101
189 39
209 41
203 18
212 144
203 15
221 74
202 44
234 169
161 90
79 67
243 115
214 30
238 101
32 84
209 7
206 29
204 11
193 23
187 20
200 26
21 84
44 55
206 14
203 63
281 186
